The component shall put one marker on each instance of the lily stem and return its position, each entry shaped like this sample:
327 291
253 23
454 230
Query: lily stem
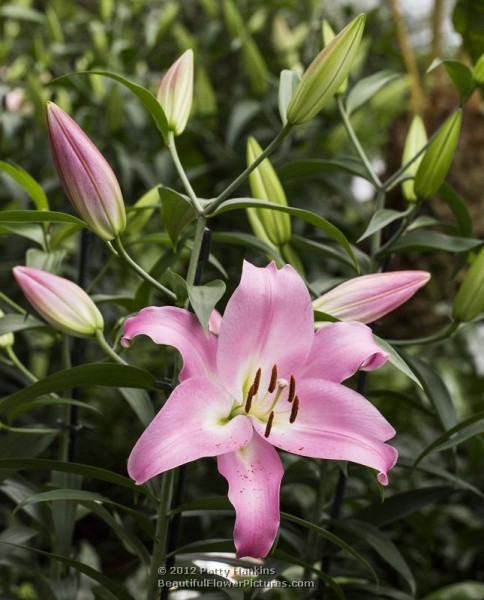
20 365
101 340
141 272
159 546
212 207
13 304
356 143
182 174
443 334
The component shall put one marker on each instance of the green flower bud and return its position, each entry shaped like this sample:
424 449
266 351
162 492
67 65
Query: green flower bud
328 36
415 141
469 302
438 157
7 339
326 73
265 185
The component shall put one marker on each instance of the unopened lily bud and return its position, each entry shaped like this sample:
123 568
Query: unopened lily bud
328 36
469 302
326 73
62 303
176 92
86 177
265 185
438 157
415 141
7 339
370 297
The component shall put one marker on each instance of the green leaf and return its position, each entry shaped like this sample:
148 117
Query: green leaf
139 214
118 590
38 216
306 215
426 241
110 375
141 404
248 240
177 212
382 544
334 539
381 219
15 535
460 75
203 299
436 391
148 100
301 169
47 261
18 464
461 432
397 361
402 505
22 13
459 208
367 87
468 18
464 590
14 444
13 323
28 183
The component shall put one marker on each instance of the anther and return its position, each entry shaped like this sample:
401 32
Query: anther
292 389
248 402
272 384
256 383
295 408
269 424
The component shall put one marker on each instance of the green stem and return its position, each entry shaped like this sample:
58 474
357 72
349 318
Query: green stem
142 273
158 558
358 147
197 245
19 365
243 176
101 340
181 172
13 304
4 427
376 237
443 334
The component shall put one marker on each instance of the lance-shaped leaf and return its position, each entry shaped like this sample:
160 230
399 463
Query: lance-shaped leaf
469 302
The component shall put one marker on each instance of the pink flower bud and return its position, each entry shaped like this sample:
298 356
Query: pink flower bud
61 302
369 297
88 180
176 92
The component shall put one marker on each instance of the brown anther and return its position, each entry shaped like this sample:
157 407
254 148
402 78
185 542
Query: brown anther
272 384
292 389
256 383
295 408
269 424
248 402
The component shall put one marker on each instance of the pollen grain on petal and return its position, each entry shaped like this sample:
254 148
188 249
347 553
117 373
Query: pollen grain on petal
269 424
272 384
295 408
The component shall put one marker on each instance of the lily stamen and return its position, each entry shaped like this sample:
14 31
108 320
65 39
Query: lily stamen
248 402
269 424
292 389
295 408
272 384
256 383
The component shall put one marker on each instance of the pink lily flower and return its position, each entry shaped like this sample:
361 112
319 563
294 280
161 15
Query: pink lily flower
266 381
369 297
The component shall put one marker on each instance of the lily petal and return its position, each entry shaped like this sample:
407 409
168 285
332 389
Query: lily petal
179 328
192 424
268 321
334 422
254 474
340 349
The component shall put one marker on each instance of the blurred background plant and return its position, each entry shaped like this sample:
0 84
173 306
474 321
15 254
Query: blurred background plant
427 534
